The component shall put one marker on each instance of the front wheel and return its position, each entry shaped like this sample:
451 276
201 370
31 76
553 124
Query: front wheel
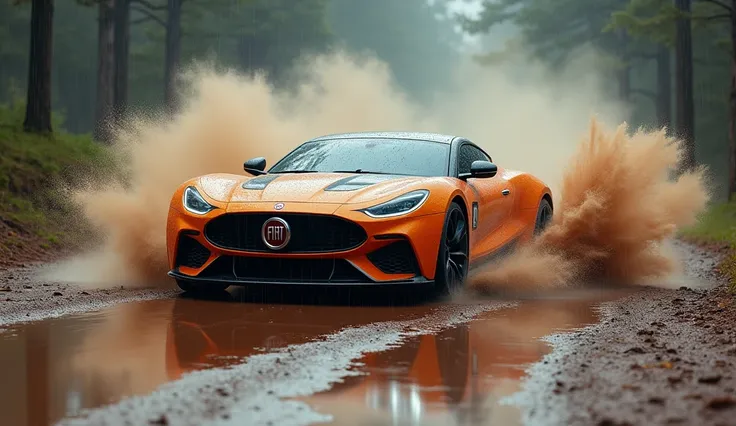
544 216
191 287
453 258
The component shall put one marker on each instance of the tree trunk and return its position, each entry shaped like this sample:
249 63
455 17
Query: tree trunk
624 74
664 87
252 53
684 79
624 83
122 43
732 113
173 52
38 103
105 72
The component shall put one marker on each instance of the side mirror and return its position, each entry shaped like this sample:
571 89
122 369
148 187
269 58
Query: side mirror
255 166
481 169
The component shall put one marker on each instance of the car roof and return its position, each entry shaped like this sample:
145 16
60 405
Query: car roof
431 137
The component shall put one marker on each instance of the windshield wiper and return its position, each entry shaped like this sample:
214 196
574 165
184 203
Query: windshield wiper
362 172
297 171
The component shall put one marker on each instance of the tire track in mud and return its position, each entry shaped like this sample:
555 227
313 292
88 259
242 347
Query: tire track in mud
253 392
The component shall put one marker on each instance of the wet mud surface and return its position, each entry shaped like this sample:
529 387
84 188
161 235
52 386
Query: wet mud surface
657 357
231 361
25 296
288 356
460 375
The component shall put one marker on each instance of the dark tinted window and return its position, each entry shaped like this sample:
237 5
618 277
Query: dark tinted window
394 156
467 155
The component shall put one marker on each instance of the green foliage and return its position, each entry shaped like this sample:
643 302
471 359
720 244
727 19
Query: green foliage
654 21
549 29
718 225
74 59
552 30
228 32
267 35
30 168
14 45
648 19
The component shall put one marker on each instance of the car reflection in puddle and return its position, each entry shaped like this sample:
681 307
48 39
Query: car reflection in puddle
456 376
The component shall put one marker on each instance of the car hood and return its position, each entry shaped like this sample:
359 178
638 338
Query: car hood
343 188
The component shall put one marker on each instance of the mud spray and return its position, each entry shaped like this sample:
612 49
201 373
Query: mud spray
614 202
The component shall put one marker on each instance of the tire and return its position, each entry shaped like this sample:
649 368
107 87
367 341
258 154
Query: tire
544 216
190 287
453 258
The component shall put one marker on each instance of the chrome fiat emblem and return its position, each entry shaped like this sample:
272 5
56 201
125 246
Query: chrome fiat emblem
275 233
278 206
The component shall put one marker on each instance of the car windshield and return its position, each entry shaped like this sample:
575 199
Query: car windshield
368 155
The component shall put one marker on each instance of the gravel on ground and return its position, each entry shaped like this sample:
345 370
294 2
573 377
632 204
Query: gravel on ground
26 296
658 356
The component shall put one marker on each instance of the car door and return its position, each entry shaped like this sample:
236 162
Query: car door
492 200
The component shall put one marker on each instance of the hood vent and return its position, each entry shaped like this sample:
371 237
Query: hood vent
353 183
259 182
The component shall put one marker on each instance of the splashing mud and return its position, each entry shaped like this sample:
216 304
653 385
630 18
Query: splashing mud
618 208
526 116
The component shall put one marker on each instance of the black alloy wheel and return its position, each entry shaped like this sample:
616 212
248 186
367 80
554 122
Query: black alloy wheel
453 259
544 216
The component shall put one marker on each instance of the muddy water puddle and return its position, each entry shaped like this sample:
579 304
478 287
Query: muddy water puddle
458 376
56 368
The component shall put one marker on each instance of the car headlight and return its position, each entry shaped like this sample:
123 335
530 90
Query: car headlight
403 204
193 201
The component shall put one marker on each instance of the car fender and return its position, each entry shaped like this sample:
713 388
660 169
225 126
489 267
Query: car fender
531 192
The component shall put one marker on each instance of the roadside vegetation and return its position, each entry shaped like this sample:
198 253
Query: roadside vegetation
34 217
717 230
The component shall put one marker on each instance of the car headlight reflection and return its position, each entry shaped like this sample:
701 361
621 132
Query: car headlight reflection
194 202
403 204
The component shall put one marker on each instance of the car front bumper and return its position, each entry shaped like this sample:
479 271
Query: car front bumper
232 280
377 260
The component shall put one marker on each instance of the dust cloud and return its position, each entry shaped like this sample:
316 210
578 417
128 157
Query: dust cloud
617 211
616 198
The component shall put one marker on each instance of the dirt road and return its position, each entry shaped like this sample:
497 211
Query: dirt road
26 296
642 356
656 357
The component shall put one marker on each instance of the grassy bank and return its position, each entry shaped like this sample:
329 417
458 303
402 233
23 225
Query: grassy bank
34 219
717 228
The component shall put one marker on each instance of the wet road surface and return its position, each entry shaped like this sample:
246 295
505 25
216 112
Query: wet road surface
400 363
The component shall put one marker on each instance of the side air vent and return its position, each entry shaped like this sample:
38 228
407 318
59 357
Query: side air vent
395 258
191 253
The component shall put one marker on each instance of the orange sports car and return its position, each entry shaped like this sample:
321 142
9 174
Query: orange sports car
354 209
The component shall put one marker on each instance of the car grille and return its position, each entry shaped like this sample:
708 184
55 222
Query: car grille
395 258
309 233
283 270
191 253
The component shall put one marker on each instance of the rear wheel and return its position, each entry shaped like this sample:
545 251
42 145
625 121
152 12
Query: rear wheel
452 259
544 216
191 287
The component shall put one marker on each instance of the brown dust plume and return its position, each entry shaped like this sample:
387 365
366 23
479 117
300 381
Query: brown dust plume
618 208
526 116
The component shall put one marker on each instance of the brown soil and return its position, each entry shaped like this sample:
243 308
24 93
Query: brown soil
18 248
24 297
657 357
